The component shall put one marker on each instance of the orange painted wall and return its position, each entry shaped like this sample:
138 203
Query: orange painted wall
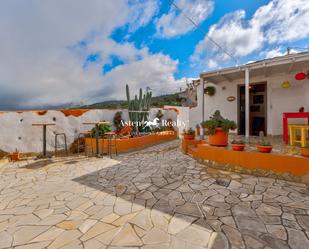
298 166
130 144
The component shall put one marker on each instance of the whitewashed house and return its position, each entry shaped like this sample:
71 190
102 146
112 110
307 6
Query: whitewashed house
263 89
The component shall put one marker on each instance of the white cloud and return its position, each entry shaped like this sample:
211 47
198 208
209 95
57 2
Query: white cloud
273 53
275 23
155 71
174 23
212 63
233 34
44 45
143 13
283 20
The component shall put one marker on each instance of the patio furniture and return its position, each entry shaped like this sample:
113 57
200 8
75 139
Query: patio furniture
44 125
303 131
286 116
111 137
96 133
62 134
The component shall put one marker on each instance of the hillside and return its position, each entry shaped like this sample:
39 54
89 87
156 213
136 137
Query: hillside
157 101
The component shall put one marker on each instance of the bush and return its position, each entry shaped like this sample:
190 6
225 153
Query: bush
103 128
217 121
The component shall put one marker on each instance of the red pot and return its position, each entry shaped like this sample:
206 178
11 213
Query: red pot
264 149
300 76
198 131
238 147
188 137
220 138
15 156
304 152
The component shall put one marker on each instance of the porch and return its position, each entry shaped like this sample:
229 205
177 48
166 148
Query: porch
255 95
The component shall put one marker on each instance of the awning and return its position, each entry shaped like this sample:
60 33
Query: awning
284 64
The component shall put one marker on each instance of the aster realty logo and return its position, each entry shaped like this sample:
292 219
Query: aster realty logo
155 123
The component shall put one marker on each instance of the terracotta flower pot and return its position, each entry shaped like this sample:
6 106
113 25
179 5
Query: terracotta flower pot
198 131
238 147
304 152
220 138
15 156
264 149
188 137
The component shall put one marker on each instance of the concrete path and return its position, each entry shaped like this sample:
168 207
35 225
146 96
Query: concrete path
153 198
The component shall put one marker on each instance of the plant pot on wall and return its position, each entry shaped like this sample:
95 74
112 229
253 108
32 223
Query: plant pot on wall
15 156
198 130
220 138
238 147
304 151
264 149
218 129
210 90
188 137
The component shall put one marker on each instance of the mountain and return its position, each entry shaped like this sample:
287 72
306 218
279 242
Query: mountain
157 101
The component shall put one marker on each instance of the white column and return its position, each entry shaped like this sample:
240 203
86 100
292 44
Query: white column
203 98
247 102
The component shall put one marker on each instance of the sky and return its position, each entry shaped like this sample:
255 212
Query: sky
72 52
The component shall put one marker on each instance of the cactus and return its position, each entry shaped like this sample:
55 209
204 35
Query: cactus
139 103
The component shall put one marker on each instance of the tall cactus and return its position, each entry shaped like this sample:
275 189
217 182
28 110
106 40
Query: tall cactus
138 105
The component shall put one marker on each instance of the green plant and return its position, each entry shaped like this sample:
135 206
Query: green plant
264 142
139 106
217 121
118 121
189 132
103 128
238 141
210 90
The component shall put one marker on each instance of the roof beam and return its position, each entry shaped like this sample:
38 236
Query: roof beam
226 77
210 80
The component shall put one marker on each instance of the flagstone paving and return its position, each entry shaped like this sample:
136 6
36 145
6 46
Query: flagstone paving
153 198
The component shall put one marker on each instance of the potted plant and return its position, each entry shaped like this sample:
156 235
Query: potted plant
210 90
103 128
217 128
189 134
304 151
198 129
14 156
264 146
238 145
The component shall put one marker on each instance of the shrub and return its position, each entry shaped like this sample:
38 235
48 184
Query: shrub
238 142
189 132
103 128
217 121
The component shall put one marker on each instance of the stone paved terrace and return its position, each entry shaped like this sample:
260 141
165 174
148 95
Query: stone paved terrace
153 198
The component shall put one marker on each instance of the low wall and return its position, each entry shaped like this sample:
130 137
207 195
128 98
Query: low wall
294 168
17 132
131 144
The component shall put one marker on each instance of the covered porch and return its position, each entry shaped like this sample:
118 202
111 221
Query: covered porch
255 95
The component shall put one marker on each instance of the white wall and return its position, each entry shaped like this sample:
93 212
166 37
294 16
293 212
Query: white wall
17 132
279 100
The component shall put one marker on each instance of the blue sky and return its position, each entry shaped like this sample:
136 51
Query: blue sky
56 53
181 47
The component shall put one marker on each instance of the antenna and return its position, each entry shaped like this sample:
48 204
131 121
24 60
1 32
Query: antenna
204 32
